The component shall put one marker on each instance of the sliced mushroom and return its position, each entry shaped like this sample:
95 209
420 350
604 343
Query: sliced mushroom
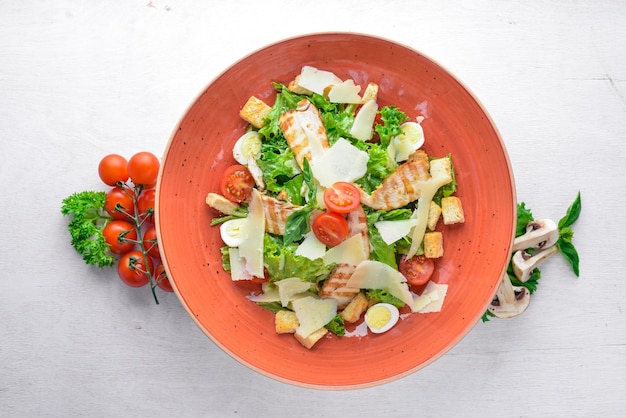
510 300
524 263
539 234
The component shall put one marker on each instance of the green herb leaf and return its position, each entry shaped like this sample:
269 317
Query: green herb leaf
568 251
297 225
88 220
573 212
524 217
487 316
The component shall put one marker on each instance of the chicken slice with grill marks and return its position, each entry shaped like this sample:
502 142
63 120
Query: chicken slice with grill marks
335 284
276 214
402 186
276 211
304 131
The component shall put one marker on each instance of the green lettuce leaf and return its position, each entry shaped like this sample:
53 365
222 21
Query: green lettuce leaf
282 262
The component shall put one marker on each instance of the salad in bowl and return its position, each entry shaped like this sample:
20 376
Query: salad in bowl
333 209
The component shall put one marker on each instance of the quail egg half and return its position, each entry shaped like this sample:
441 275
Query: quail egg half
381 317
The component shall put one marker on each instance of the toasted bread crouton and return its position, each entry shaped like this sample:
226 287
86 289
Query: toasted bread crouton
370 93
433 244
286 322
310 340
452 210
295 87
352 312
221 204
434 212
254 111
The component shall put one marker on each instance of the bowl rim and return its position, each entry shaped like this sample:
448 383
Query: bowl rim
470 324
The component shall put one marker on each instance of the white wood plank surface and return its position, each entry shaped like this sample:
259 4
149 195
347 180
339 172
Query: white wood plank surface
80 79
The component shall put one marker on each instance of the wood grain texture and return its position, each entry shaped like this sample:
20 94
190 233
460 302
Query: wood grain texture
82 79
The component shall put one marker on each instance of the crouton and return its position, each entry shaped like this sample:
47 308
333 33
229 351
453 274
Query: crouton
433 244
286 322
221 204
295 87
434 212
370 93
452 210
254 111
355 308
310 340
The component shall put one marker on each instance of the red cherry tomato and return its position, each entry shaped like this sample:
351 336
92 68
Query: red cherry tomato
132 268
150 244
330 228
162 280
120 235
342 197
112 169
143 168
417 269
237 183
124 198
145 204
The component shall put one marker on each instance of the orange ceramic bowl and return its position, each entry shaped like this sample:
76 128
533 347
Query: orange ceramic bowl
476 252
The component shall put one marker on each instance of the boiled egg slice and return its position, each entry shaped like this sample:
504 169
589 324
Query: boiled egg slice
410 140
248 144
233 231
381 317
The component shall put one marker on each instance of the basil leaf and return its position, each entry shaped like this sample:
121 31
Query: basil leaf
309 180
572 213
571 255
297 225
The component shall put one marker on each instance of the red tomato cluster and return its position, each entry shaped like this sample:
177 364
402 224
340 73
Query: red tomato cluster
131 233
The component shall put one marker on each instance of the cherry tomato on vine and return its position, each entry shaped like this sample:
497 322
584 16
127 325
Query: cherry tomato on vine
150 244
330 228
417 269
133 269
120 235
342 197
124 198
145 204
143 168
237 183
112 169
162 280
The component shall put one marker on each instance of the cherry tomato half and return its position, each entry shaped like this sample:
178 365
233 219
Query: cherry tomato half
330 228
123 197
342 197
150 244
132 268
162 280
112 169
120 235
143 168
145 204
237 183
417 269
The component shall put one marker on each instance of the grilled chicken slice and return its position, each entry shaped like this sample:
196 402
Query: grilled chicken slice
304 131
402 186
335 284
276 214
276 211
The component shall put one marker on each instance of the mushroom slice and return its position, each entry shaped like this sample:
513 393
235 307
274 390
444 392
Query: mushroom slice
524 263
539 234
510 300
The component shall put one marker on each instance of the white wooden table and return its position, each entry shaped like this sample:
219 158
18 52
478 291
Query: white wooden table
81 79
